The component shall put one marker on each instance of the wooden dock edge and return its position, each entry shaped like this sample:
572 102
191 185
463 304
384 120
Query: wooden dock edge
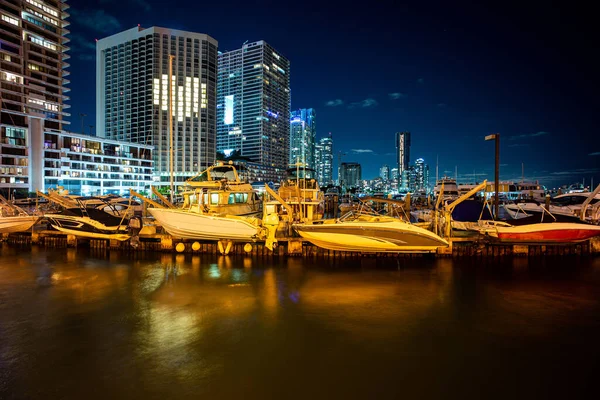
290 247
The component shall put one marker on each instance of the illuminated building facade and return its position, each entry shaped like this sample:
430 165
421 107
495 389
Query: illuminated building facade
384 172
253 105
132 96
324 160
33 54
302 137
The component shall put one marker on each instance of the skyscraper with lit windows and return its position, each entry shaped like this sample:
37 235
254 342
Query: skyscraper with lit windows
302 136
253 105
33 71
132 96
324 160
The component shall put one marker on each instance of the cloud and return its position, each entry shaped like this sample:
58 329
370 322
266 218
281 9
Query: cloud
441 105
396 96
528 135
366 103
82 48
596 153
518 145
579 171
96 20
389 154
362 151
334 103
420 80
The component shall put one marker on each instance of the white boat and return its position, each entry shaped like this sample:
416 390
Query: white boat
565 206
191 224
369 233
14 219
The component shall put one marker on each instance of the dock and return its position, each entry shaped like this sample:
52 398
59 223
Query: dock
467 246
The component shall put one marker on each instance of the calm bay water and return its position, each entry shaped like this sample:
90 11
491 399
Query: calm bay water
79 326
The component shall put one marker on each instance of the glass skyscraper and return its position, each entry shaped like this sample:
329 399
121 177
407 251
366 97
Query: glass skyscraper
302 137
253 105
132 96
324 160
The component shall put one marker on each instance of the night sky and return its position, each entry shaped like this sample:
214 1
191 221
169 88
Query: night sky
448 73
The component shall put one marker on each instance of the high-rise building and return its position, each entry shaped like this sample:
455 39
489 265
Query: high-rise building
33 54
384 172
394 174
350 175
324 160
253 104
421 171
302 137
402 155
133 91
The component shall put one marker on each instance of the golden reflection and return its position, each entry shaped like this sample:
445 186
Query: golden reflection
269 293
224 262
87 285
247 262
71 255
364 307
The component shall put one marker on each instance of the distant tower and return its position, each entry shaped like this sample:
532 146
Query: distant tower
403 156
421 171
384 172
324 160
253 105
350 173
302 137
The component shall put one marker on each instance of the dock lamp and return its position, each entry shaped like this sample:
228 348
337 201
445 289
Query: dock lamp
496 137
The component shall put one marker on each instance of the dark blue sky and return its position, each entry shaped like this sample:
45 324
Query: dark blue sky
448 72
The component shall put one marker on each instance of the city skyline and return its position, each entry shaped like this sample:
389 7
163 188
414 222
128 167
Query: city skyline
449 77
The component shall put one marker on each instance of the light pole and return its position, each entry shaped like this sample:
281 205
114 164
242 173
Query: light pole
171 162
340 155
496 137
82 116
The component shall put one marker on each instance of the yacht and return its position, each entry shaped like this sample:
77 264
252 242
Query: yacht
299 197
565 207
217 205
13 218
450 188
366 232
538 233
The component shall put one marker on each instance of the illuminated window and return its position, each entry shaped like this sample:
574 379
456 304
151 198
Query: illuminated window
44 7
7 76
42 42
10 20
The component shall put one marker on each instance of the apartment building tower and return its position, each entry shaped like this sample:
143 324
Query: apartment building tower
133 92
253 105
33 71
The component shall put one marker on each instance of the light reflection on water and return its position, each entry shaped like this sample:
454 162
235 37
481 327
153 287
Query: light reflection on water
182 326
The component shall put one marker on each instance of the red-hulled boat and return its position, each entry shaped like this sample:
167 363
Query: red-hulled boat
551 233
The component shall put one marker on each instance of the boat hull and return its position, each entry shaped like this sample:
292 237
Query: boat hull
191 225
551 233
17 223
87 227
371 237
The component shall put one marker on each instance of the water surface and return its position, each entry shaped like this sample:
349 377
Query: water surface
75 325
